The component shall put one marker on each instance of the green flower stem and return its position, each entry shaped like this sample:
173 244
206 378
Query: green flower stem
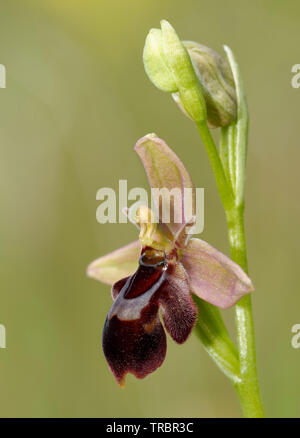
224 188
247 383
247 388
233 151
229 171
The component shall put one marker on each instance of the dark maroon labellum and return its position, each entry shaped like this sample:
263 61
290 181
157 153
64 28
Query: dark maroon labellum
133 338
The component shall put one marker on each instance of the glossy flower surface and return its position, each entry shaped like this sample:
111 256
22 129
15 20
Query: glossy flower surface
159 272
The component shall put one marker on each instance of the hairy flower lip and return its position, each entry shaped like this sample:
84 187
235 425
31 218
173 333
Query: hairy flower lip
137 319
122 355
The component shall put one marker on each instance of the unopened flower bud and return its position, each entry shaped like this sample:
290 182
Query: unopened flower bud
217 83
169 67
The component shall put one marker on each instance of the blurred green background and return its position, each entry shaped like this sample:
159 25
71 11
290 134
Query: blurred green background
76 101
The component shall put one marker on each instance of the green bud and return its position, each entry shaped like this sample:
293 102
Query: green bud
169 67
217 83
155 64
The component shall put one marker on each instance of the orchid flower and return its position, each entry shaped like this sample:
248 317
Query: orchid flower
160 272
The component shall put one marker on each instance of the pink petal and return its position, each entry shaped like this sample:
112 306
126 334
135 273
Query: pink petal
166 171
213 276
179 310
116 265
